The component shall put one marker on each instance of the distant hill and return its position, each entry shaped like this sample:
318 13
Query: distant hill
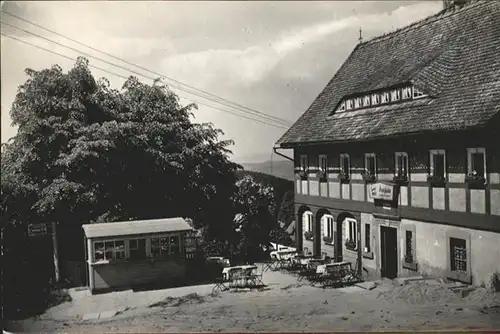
279 168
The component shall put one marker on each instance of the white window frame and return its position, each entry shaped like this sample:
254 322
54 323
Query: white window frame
375 99
114 251
322 157
341 107
358 102
304 162
349 104
407 93
472 150
410 251
307 219
369 245
367 101
395 95
342 156
432 153
170 254
371 155
417 94
328 224
401 154
352 224
467 259
385 97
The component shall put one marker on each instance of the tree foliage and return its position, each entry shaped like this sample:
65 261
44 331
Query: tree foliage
254 205
85 152
286 211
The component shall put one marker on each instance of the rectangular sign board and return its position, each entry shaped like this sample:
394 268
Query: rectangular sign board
37 229
382 191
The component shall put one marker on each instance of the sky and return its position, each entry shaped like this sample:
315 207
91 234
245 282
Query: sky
274 57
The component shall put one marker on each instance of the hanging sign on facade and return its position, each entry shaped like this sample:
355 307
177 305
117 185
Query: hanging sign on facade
37 229
382 191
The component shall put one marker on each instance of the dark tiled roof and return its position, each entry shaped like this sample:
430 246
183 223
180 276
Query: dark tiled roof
452 56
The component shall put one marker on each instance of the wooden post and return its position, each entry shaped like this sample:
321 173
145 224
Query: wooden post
56 254
360 252
90 259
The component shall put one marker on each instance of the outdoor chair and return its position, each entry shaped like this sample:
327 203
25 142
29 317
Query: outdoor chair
293 267
257 278
220 285
238 278
308 273
271 264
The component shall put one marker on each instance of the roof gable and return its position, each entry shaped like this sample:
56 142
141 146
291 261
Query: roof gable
452 56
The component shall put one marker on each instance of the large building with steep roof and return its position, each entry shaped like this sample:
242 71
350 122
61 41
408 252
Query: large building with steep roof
397 161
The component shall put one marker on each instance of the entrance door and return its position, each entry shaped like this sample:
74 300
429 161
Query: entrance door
389 252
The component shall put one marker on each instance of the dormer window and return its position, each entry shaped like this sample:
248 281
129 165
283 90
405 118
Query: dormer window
341 107
407 93
418 93
357 103
395 95
380 97
366 101
349 104
385 97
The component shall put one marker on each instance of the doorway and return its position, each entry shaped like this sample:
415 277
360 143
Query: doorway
389 252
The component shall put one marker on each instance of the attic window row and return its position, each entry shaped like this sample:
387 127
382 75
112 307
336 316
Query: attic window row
375 99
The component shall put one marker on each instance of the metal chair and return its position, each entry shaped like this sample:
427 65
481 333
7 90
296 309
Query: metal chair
220 285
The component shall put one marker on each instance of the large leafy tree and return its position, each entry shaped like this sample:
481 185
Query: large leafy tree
254 205
85 152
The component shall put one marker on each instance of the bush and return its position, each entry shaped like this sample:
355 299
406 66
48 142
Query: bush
495 282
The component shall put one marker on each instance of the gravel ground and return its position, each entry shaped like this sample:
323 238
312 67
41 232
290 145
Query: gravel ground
285 306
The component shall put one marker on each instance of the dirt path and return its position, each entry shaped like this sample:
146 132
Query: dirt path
302 308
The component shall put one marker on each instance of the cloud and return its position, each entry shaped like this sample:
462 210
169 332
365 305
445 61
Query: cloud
250 65
274 57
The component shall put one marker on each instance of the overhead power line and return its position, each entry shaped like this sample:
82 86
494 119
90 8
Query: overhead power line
269 118
151 78
204 94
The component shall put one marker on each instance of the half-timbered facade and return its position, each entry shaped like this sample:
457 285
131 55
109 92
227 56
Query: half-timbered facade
397 161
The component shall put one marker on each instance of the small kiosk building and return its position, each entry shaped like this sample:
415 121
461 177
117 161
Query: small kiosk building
132 253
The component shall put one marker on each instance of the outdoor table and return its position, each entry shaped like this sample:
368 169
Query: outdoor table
311 261
326 268
238 272
336 274
305 262
285 255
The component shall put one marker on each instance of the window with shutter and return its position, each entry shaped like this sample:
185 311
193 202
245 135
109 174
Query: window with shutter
323 166
370 163
385 97
401 168
438 163
345 164
367 237
476 161
303 162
